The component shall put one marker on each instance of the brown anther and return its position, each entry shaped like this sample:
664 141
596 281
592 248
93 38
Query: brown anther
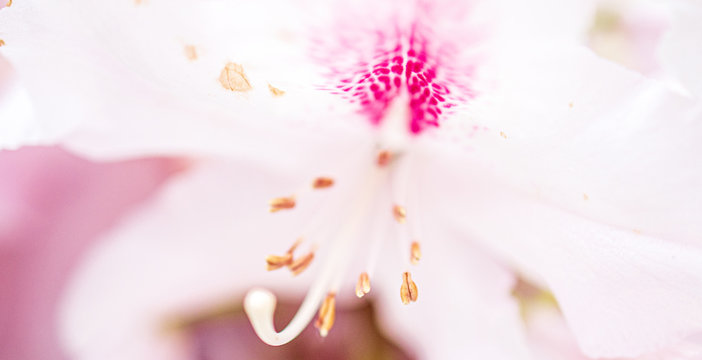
233 78
384 158
322 183
408 290
363 285
415 253
274 262
325 318
9 3
282 203
2 42
399 213
299 265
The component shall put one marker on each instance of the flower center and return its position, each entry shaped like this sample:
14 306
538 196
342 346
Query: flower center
406 66
383 182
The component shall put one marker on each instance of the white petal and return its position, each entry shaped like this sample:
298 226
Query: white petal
623 293
680 48
596 139
16 127
464 308
119 80
202 242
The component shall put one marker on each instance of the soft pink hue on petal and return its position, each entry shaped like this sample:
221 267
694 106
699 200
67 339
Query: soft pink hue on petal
680 48
623 293
595 139
549 337
124 81
464 309
53 206
202 241
120 83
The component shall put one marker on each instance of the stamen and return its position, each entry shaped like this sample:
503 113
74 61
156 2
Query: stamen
299 265
363 285
282 203
399 213
274 262
327 312
322 183
408 290
384 158
415 253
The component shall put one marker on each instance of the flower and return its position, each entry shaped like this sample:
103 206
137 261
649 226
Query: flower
517 151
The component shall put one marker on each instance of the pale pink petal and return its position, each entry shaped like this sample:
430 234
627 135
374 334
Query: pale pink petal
15 110
201 242
549 337
589 136
131 77
680 50
141 76
623 293
53 206
464 308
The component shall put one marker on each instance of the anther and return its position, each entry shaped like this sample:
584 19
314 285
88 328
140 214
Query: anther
415 253
363 285
325 318
274 262
384 158
408 290
299 265
399 213
322 183
282 203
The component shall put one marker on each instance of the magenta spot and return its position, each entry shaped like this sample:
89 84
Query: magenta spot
425 80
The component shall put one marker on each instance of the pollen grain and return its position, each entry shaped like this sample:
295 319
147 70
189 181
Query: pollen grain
275 91
233 78
190 52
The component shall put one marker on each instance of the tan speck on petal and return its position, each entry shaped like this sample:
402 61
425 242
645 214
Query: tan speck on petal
2 42
233 78
586 197
191 52
275 91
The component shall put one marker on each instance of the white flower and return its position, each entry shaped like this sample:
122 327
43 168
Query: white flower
527 154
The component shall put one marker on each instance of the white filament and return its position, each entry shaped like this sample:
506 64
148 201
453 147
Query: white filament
259 304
